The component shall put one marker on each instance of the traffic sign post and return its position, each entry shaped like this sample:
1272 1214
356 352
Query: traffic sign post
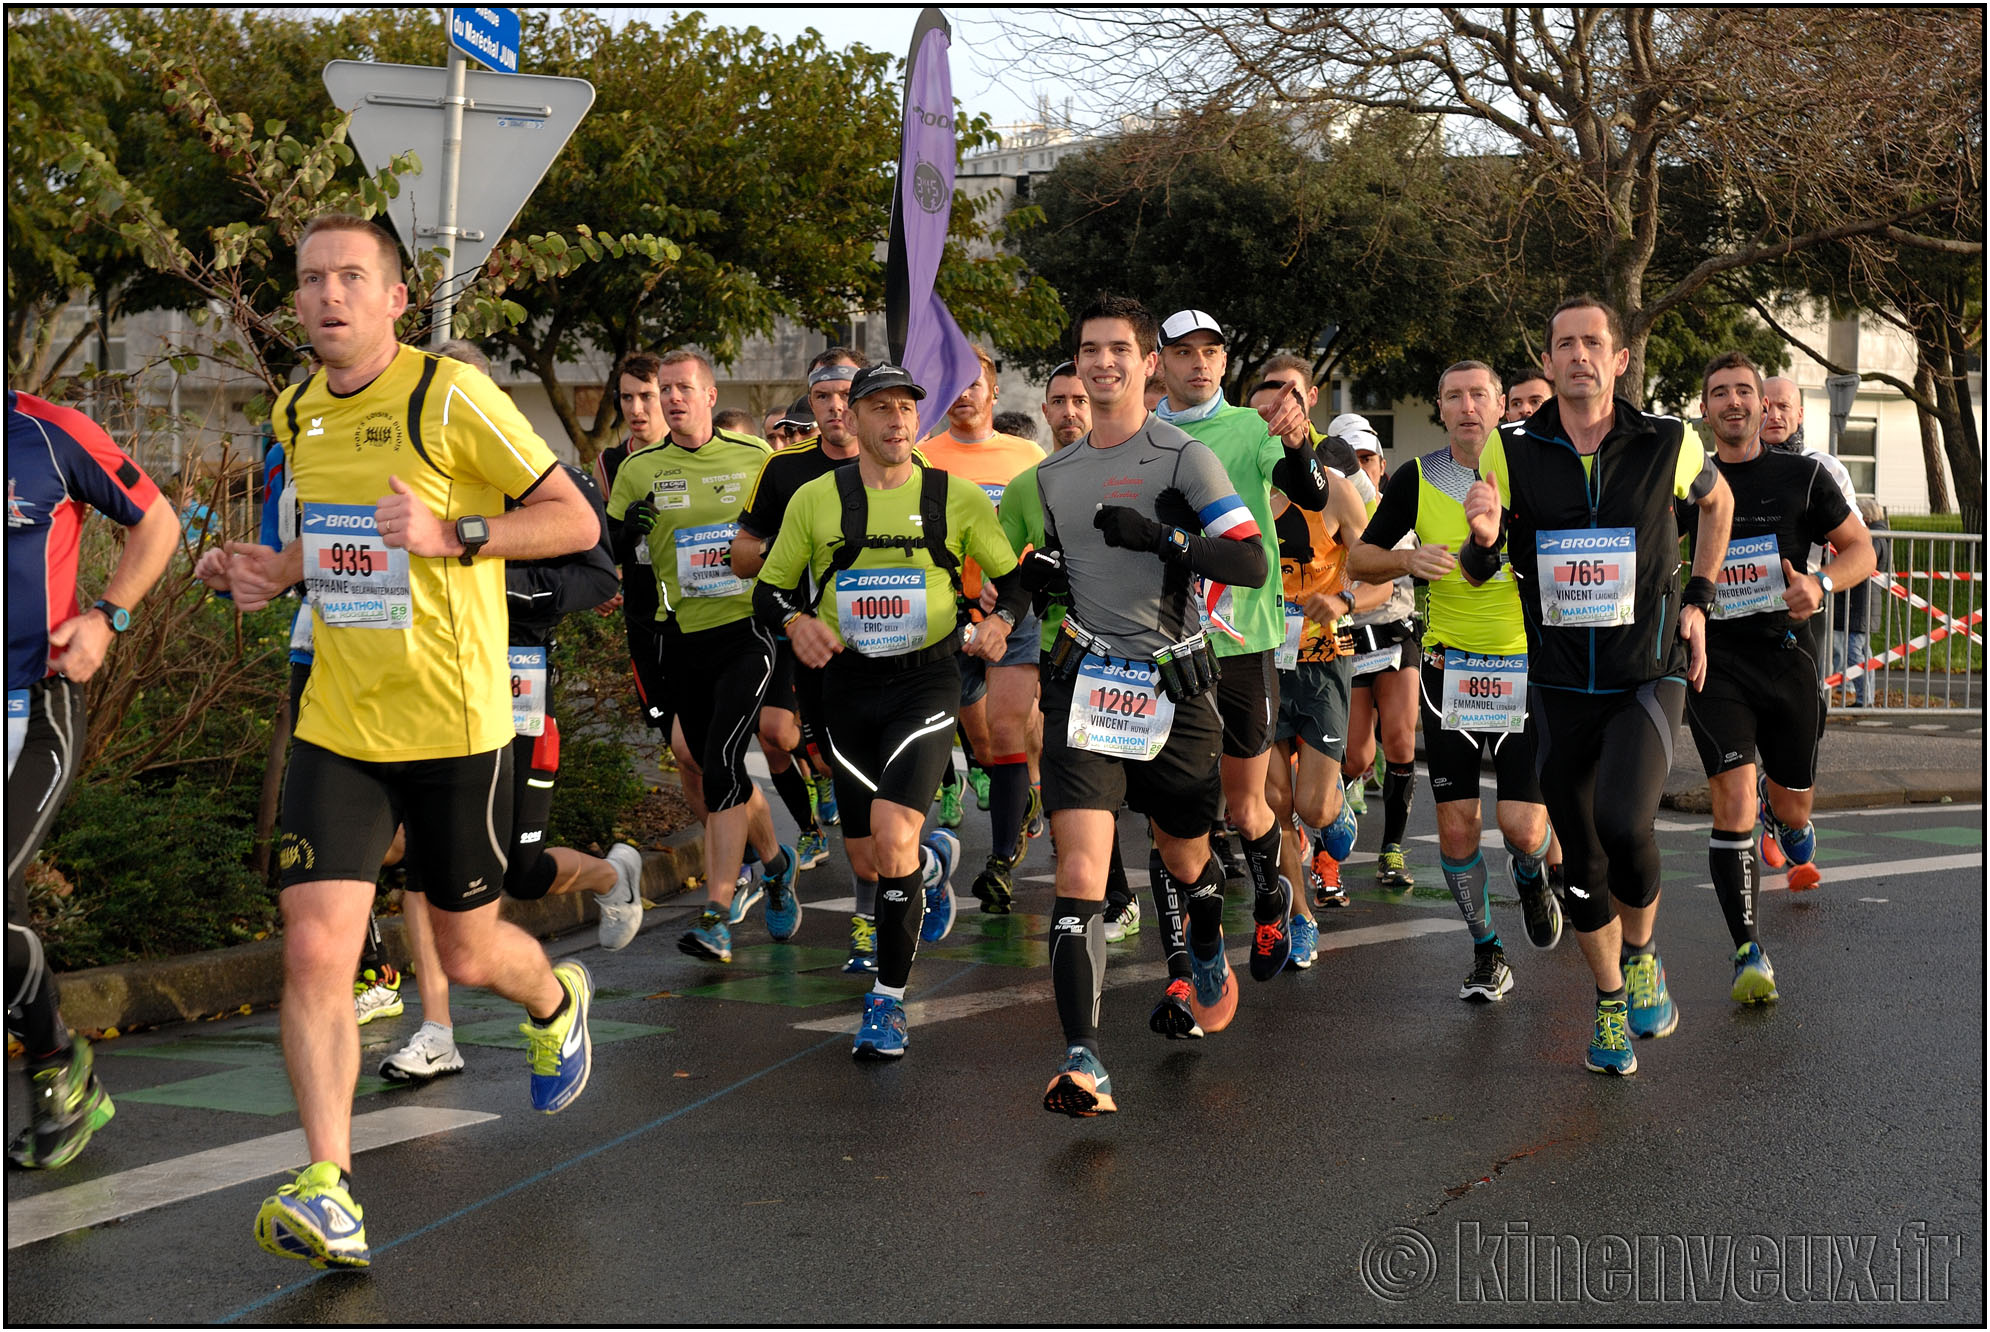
1841 391
506 128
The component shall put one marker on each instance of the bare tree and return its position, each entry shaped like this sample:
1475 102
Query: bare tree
1799 127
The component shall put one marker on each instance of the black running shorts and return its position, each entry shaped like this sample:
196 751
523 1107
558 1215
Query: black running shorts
1764 700
714 680
1179 788
1313 705
1455 757
39 776
339 816
889 732
1247 701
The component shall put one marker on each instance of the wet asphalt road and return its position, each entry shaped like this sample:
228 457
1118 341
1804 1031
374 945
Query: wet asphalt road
1360 1145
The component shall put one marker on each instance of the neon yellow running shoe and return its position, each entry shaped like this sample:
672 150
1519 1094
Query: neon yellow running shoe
315 1219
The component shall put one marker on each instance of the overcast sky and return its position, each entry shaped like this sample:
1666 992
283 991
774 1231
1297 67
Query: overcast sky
988 74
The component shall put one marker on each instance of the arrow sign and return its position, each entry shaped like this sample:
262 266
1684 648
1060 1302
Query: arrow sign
514 125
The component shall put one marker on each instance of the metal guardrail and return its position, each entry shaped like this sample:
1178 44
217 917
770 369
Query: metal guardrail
1921 651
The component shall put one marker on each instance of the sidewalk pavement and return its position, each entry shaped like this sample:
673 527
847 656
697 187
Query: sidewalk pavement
1861 765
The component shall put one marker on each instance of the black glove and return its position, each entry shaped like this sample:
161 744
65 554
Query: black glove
1129 529
1043 572
640 517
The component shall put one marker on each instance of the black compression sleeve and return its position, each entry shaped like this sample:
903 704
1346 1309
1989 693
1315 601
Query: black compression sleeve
1227 560
1395 514
1302 478
1480 563
773 606
1011 595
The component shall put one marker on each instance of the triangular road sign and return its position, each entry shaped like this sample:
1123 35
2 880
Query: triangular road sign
514 125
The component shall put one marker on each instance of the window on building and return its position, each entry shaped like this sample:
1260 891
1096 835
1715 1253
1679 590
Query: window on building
1858 449
1379 410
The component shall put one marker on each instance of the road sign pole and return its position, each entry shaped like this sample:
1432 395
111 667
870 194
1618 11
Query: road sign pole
452 166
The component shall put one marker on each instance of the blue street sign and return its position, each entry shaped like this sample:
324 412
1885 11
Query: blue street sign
490 35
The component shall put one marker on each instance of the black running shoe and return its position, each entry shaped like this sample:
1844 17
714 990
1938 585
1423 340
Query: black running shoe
995 886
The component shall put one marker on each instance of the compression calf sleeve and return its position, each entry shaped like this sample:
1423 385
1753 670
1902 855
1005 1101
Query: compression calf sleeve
1737 876
1118 893
1398 789
1468 886
1171 906
1205 909
867 896
1261 864
901 906
1528 864
1078 967
793 790
1008 797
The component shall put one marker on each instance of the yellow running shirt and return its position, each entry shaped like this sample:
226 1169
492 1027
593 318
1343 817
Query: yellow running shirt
413 664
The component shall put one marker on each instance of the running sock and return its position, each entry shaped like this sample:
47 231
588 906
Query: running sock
793 790
372 956
1528 864
867 896
1008 797
1118 892
1629 951
775 868
1737 874
1078 967
566 1002
1398 789
950 778
1261 864
1205 909
1171 906
1468 886
1615 996
901 904
889 991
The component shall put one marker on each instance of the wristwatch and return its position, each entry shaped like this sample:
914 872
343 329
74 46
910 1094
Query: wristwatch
1005 615
119 617
473 530
1824 581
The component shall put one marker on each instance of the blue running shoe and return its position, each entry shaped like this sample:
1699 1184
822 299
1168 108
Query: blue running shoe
881 1035
314 1218
1652 1011
1081 1088
709 939
1754 978
1305 943
1213 1001
1610 1048
811 849
745 893
826 812
1338 837
562 1051
937 875
863 959
784 908
1271 940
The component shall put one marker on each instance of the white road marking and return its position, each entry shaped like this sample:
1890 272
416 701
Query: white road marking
1881 900
1896 809
924 1012
164 1182
1838 878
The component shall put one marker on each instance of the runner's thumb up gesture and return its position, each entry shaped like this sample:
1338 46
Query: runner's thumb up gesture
1482 509
404 521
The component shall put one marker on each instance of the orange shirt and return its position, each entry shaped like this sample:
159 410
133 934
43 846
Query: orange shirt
992 464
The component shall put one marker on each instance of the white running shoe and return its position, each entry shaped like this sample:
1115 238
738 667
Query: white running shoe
1124 923
431 1052
622 906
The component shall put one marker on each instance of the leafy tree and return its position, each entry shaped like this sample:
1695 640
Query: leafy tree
1803 126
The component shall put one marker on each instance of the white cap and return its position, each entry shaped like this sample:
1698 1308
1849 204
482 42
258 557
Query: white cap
1184 322
1359 435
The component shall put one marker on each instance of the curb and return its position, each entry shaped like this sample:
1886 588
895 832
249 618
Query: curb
1861 790
227 980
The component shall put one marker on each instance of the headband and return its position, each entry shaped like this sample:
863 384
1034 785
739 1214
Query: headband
828 373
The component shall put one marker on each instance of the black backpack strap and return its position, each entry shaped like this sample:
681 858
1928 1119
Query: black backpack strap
856 521
933 522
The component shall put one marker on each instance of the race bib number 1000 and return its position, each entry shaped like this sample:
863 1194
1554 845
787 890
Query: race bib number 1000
1751 579
355 580
882 612
528 690
1118 709
1588 576
1484 693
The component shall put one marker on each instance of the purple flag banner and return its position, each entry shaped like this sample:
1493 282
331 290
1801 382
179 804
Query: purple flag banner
923 335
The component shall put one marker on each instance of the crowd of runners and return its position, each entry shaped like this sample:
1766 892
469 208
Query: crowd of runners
1190 618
